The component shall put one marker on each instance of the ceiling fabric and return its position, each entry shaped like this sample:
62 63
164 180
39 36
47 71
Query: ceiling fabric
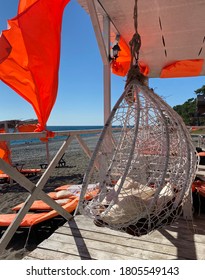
171 31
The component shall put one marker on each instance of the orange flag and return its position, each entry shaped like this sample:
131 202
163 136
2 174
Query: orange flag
30 54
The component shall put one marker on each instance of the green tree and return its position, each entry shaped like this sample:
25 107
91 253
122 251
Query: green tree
200 90
187 111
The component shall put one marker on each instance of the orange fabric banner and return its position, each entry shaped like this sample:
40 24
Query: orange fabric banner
183 68
30 54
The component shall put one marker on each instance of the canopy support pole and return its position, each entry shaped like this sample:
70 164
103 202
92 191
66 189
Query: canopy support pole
104 47
97 29
106 68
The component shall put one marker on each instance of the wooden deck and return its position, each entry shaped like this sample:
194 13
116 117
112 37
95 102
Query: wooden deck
80 239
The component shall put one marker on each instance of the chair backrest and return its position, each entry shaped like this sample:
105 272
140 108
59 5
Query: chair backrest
61 159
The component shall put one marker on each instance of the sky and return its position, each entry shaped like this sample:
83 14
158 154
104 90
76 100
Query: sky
80 92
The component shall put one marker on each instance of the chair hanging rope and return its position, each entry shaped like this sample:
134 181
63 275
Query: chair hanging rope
146 163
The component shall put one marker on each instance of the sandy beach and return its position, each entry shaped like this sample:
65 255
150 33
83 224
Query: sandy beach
32 155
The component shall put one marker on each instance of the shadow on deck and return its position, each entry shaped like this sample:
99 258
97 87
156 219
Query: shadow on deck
81 239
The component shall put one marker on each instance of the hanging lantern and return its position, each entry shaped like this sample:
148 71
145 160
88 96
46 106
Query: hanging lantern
114 52
146 165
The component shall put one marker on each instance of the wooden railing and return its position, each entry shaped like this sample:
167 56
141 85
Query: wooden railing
198 140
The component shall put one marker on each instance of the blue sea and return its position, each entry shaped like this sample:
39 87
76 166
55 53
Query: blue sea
56 128
64 128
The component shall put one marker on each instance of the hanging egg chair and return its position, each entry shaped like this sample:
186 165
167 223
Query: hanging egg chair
145 165
144 162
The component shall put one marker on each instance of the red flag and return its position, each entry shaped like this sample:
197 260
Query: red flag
30 54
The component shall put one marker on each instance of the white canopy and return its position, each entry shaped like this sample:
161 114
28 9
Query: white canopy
171 30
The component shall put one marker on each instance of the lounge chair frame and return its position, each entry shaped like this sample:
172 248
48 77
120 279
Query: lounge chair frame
61 163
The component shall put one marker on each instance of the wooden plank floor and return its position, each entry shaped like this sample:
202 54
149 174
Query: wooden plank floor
81 239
